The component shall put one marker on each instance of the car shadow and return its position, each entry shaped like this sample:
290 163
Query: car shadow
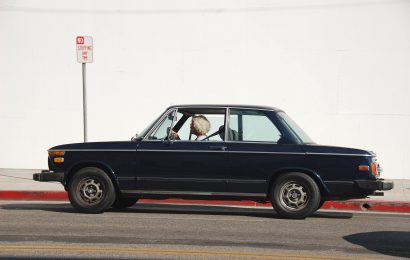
163 208
219 210
392 243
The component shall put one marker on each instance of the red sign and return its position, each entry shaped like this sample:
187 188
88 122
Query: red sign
80 39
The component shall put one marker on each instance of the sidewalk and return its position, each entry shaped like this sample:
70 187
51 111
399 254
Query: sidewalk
17 184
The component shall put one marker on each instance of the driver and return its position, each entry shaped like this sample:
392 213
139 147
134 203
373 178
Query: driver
200 127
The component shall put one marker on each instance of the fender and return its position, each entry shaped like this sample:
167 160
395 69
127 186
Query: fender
98 164
314 175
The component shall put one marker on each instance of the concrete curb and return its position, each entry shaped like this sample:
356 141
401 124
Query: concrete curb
355 205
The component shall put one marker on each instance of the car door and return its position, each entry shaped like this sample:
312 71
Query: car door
186 167
254 152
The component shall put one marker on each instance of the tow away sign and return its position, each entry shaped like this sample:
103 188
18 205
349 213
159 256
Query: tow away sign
84 49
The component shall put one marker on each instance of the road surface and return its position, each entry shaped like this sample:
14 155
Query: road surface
161 231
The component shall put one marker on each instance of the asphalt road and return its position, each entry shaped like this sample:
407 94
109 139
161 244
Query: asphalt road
158 231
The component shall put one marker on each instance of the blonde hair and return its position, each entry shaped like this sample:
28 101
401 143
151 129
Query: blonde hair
201 124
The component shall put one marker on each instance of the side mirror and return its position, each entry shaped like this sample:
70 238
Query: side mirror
135 137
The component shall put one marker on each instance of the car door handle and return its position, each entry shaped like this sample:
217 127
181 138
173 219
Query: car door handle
219 148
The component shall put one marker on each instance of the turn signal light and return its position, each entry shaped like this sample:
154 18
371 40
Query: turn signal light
364 168
375 171
56 153
59 160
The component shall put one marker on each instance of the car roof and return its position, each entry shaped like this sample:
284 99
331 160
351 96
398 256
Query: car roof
224 106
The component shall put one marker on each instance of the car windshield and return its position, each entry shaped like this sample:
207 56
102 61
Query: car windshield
294 128
145 131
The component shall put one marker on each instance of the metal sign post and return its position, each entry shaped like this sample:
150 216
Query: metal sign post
84 103
84 55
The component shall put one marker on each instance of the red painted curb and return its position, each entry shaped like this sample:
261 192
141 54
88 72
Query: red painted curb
33 195
357 205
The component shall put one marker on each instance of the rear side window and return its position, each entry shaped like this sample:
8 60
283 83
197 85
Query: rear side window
251 126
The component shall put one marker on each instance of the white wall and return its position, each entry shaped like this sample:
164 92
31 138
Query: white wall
341 69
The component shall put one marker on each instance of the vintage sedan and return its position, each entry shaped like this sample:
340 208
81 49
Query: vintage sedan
224 152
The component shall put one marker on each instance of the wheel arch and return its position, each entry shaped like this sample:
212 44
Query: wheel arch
324 191
85 164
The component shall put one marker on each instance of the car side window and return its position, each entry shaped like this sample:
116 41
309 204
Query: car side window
251 126
162 131
199 124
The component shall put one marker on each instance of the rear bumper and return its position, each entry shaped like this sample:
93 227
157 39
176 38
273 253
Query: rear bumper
49 176
374 184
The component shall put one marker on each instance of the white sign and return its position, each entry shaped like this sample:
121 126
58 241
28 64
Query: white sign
84 49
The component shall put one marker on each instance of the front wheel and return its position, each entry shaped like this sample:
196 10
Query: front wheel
295 196
90 190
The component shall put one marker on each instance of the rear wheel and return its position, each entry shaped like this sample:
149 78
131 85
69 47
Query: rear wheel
295 195
90 190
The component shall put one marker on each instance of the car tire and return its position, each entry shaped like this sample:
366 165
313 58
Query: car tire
90 190
122 203
295 195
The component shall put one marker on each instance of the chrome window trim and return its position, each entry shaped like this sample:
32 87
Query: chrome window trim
190 142
225 107
204 193
227 114
239 142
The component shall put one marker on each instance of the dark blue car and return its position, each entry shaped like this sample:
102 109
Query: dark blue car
243 153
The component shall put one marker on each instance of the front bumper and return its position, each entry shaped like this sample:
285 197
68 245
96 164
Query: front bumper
49 176
379 184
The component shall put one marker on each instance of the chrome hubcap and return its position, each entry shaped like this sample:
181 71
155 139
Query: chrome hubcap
293 196
91 191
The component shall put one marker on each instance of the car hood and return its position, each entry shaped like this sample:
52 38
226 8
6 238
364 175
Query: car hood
97 146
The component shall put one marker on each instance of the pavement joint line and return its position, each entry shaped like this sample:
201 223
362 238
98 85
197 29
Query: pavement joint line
164 251
3 175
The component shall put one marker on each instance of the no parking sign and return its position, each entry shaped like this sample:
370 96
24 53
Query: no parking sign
84 49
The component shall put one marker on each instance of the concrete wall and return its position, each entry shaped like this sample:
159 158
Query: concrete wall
341 69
